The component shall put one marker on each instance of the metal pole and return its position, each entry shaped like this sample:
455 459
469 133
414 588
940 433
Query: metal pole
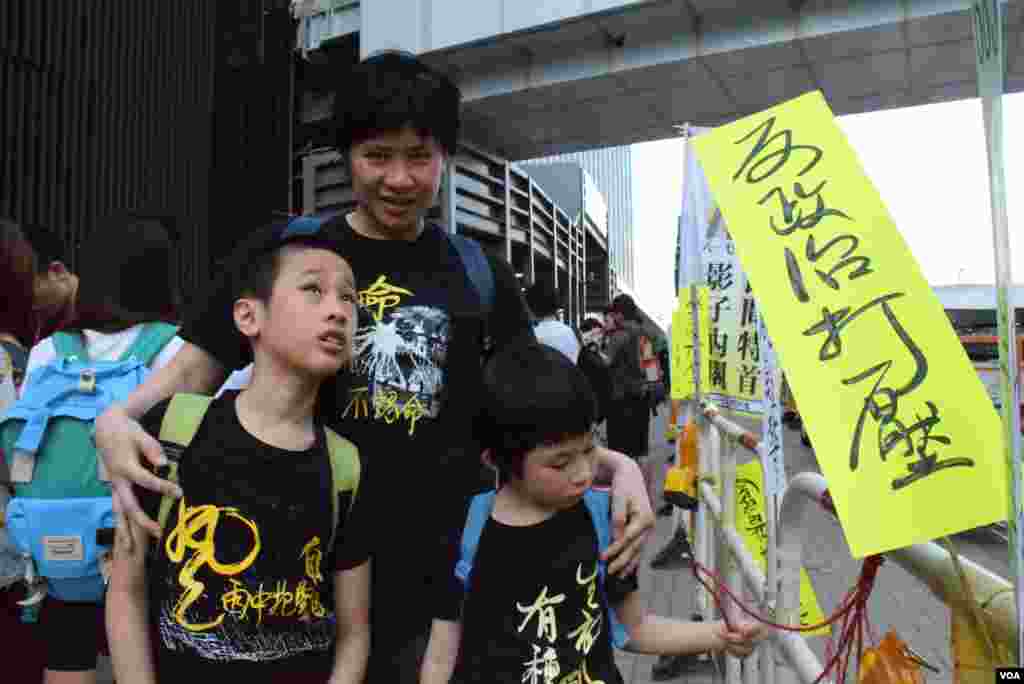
727 564
792 646
767 655
991 59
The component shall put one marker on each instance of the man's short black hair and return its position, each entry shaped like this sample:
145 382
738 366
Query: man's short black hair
391 90
542 298
532 396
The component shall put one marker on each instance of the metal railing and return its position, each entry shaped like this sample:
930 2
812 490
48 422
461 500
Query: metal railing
785 657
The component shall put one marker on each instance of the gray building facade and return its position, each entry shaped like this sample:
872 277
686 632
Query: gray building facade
611 169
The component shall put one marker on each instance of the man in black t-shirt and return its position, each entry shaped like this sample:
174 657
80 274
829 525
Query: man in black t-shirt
411 396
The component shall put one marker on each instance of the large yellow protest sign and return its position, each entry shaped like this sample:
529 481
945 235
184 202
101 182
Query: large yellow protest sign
901 425
751 525
682 340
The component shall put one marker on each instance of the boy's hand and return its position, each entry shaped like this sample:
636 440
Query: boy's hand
740 641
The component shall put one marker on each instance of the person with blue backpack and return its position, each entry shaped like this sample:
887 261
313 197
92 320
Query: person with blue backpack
538 603
61 515
432 304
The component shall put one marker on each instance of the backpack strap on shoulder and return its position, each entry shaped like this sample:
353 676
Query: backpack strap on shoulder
345 474
600 508
149 342
480 508
69 344
179 426
478 268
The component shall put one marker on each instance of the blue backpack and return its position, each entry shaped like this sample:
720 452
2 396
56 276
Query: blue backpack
599 506
477 268
61 514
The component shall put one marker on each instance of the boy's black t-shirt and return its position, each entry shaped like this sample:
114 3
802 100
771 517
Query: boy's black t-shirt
534 612
241 583
408 403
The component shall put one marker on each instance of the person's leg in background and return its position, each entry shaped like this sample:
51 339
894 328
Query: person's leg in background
71 660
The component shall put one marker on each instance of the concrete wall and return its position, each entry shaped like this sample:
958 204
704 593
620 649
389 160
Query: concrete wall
427 25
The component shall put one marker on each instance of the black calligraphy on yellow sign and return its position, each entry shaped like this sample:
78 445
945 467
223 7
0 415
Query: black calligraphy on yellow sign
900 421
752 526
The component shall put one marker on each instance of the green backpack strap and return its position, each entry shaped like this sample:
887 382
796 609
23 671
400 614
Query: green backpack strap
150 341
345 472
179 426
69 344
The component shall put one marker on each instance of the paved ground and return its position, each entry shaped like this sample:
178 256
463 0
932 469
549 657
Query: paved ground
898 602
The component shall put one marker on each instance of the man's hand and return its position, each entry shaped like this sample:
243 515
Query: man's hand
632 515
122 443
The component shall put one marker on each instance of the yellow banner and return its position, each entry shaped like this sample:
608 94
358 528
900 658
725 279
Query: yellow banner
901 425
751 524
682 341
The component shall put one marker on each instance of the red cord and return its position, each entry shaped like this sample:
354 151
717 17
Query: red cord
852 610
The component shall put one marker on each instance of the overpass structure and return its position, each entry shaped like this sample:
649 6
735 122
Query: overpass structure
541 78
559 76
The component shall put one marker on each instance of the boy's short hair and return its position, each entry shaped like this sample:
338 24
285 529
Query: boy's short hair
532 396
590 324
390 90
257 260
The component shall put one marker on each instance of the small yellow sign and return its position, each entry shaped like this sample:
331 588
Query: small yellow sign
751 524
682 341
901 425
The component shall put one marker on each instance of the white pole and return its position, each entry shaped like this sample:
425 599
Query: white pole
991 58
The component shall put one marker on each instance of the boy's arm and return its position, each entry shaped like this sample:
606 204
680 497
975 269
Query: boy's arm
657 635
352 608
127 609
442 651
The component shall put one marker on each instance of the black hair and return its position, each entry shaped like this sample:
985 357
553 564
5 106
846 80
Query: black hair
254 264
389 91
542 298
17 278
590 324
532 396
625 305
127 275
47 245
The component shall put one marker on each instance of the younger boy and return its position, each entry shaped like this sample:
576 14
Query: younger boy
538 606
239 586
